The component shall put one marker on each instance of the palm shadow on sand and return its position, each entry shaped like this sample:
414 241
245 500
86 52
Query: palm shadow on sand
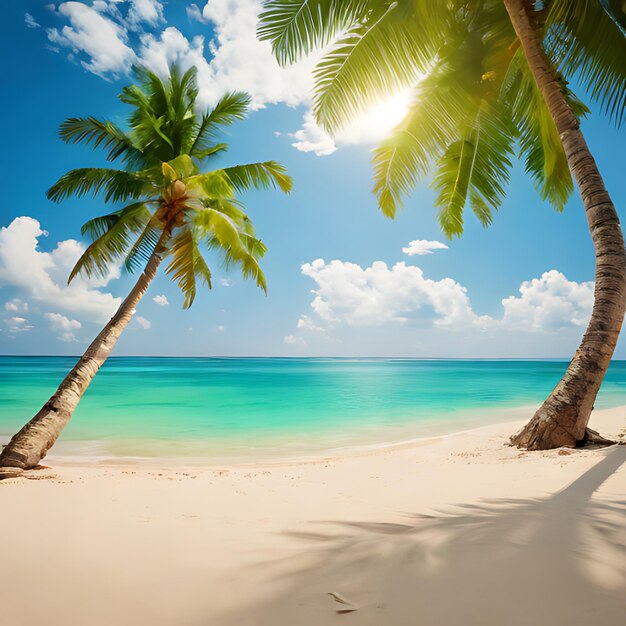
552 561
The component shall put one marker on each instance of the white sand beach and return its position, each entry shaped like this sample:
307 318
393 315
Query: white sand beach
456 530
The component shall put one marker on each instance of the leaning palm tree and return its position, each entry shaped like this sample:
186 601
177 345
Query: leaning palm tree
489 80
173 211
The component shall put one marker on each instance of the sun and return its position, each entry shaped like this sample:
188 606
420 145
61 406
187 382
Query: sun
377 123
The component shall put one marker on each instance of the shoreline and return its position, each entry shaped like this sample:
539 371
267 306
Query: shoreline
394 530
275 455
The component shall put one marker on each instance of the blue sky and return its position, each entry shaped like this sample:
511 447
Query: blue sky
339 281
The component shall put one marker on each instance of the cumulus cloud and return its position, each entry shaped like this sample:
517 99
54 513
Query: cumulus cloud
143 322
226 282
420 247
347 294
549 302
63 325
100 38
161 300
42 276
374 295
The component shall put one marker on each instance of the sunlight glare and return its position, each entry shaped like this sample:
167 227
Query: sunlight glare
378 122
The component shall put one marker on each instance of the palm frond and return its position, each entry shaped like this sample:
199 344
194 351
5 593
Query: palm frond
137 212
437 117
295 27
117 185
589 47
107 135
374 60
143 247
215 184
112 243
265 175
476 167
187 265
231 108
227 229
539 143
210 151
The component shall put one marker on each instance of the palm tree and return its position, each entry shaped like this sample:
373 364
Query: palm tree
489 80
174 211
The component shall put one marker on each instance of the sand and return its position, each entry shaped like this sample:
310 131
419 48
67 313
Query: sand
453 530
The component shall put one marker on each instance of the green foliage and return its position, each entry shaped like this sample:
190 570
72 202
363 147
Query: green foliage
187 264
295 27
589 46
475 102
176 207
269 174
117 185
347 82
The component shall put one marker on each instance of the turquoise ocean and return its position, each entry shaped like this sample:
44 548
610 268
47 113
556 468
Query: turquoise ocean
251 408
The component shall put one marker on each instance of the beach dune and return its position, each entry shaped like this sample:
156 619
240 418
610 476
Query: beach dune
453 530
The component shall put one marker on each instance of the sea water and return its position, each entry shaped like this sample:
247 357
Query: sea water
220 408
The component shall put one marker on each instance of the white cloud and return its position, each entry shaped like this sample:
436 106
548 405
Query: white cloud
220 329
30 21
348 294
63 325
549 302
42 276
194 13
226 282
378 294
311 138
16 306
306 323
102 39
293 340
423 246
161 300
143 322
145 11
18 325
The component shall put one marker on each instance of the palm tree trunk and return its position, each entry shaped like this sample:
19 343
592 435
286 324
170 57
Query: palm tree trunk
563 417
33 441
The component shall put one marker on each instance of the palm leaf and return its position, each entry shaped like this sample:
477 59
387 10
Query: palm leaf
113 242
539 142
231 108
588 46
373 61
225 228
187 264
107 135
268 174
215 184
117 185
295 27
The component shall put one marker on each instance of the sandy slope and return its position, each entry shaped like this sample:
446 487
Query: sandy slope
457 530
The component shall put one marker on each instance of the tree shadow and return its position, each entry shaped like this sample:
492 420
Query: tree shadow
551 561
